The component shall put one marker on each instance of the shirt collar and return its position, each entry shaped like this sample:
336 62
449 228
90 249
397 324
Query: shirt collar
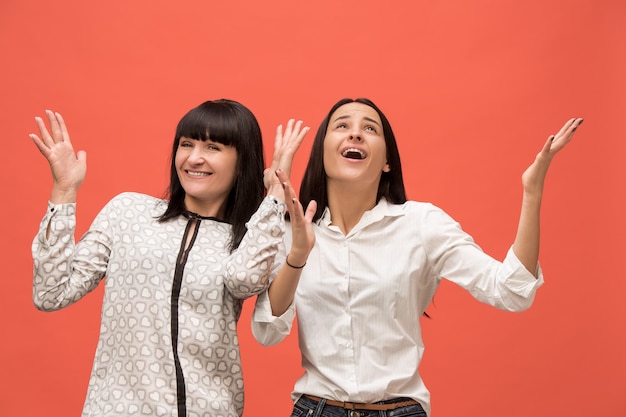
381 210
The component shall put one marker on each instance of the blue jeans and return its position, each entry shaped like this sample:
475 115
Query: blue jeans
306 407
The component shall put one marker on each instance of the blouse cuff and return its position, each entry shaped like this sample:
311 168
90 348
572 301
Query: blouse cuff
67 209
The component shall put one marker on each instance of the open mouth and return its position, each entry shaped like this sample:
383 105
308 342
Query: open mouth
353 153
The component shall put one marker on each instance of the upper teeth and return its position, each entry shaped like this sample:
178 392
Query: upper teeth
350 150
199 174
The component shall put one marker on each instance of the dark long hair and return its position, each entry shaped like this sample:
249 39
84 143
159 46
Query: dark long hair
313 186
232 124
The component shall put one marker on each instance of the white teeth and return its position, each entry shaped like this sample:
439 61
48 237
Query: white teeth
198 174
353 153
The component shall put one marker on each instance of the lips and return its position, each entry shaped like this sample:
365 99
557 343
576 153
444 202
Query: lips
197 173
353 153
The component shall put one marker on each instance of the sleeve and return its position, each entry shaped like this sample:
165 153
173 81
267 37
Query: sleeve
267 329
250 268
454 255
63 271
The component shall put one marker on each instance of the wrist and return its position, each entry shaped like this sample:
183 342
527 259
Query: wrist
277 190
294 264
63 195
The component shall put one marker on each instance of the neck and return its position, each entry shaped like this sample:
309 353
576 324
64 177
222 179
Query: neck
206 209
348 202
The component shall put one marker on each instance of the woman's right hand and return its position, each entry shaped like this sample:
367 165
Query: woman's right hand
303 235
283 288
68 167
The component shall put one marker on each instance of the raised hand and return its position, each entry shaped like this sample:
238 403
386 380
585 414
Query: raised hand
526 244
68 167
283 288
285 146
303 236
533 178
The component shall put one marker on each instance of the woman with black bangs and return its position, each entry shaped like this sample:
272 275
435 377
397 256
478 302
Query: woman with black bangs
177 269
366 262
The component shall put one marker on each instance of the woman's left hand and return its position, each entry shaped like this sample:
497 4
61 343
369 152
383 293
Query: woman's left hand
534 176
285 146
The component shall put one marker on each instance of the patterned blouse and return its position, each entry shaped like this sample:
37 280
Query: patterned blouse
159 293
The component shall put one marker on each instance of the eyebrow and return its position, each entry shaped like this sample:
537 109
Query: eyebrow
365 117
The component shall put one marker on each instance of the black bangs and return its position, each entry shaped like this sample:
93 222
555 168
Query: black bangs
210 121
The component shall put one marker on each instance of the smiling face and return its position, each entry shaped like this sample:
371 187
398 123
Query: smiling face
206 171
354 146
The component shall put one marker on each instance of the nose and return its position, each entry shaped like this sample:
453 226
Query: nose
355 135
195 156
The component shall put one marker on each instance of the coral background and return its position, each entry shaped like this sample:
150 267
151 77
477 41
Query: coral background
472 88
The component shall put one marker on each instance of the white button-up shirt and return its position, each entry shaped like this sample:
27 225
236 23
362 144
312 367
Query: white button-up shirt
361 295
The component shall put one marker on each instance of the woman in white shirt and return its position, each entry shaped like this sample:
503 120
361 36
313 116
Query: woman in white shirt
373 263
177 269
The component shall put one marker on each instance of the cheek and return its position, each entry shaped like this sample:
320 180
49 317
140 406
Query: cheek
230 165
178 160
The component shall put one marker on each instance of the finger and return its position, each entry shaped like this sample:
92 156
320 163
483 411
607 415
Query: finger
278 139
291 202
310 210
548 144
63 127
278 144
82 157
296 129
297 212
289 128
302 134
566 127
43 131
40 145
578 122
55 128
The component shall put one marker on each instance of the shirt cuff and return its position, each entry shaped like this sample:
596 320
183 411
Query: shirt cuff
519 280
269 329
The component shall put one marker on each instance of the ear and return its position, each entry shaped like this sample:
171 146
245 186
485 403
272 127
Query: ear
386 168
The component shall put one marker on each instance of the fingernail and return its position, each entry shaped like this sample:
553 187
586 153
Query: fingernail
293 200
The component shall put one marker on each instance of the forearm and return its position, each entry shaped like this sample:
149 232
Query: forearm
60 195
526 244
63 273
283 288
248 268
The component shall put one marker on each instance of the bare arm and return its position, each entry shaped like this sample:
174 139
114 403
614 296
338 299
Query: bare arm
283 288
526 244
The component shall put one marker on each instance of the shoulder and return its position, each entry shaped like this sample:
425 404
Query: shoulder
137 202
420 214
413 208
